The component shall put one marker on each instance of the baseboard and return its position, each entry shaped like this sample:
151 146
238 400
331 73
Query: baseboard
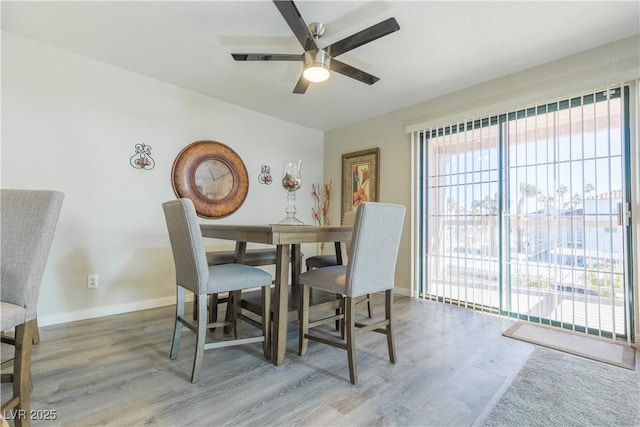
402 291
92 313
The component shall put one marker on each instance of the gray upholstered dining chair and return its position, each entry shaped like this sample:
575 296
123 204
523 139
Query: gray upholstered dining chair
195 275
328 260
28 222
254 257
371 268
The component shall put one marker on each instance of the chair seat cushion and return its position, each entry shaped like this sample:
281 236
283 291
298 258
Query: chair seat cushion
11 315
331 279
233 277
319 261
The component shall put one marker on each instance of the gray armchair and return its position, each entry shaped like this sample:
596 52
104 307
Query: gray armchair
28 223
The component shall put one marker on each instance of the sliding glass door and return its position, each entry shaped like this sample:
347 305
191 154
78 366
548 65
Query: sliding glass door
526 213
461 232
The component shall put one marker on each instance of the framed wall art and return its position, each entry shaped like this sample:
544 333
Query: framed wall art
213 176
360 175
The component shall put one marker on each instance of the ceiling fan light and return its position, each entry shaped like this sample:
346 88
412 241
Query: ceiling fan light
316 73
316 66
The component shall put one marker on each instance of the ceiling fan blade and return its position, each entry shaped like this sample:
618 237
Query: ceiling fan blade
291 14
367 35
301 86
354 73
266 57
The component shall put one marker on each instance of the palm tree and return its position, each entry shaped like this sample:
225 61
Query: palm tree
589 188
478 206
576 200
491 203
452 207
562 190
526 191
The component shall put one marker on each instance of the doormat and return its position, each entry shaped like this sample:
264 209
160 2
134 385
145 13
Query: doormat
618 354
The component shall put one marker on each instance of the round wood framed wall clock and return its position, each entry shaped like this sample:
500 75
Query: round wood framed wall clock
213 176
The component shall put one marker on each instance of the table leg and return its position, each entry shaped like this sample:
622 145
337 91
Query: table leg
241 249
338 246
281 304
296 264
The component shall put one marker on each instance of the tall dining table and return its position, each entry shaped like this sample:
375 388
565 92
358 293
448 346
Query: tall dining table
287 239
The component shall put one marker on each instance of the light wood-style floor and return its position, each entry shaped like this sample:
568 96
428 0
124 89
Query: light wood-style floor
453 365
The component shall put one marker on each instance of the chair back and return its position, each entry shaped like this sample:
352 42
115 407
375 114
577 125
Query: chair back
28 222
349 218
189 256
374 248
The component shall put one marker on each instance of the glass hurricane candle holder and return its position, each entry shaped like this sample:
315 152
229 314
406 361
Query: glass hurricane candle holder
291 181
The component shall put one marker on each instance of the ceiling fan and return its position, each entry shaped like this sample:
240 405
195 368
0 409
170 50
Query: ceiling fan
317 61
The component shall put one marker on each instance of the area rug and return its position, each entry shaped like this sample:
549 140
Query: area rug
618 354
558 389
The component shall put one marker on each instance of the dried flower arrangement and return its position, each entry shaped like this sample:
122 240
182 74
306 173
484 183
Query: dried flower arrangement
320 209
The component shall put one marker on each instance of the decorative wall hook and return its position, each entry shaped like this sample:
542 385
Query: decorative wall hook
142 159
265 175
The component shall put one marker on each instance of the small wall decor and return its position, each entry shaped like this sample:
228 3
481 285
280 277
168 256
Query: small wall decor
265 175
213 176
360 175
142 159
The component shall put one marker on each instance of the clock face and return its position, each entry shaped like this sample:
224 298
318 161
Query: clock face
213 176
214 180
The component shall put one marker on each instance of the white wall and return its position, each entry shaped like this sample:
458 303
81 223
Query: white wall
610 64
70 123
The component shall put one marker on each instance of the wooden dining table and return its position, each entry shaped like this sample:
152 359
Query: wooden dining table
287 239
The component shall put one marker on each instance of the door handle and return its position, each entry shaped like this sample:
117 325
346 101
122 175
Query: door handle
624 214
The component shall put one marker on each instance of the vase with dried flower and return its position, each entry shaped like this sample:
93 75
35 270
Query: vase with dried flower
291 181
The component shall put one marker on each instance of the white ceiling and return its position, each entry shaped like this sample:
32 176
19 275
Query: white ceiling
441 46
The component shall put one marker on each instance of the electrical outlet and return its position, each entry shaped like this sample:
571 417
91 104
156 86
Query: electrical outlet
92 281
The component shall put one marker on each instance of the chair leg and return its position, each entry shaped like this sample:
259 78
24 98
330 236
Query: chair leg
36 333
338 311
213 309
201 333
228 316
350 329
195 309
266 321
236 297
21 400
388 308
22 369
342 321
177 329
303 317
369 309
